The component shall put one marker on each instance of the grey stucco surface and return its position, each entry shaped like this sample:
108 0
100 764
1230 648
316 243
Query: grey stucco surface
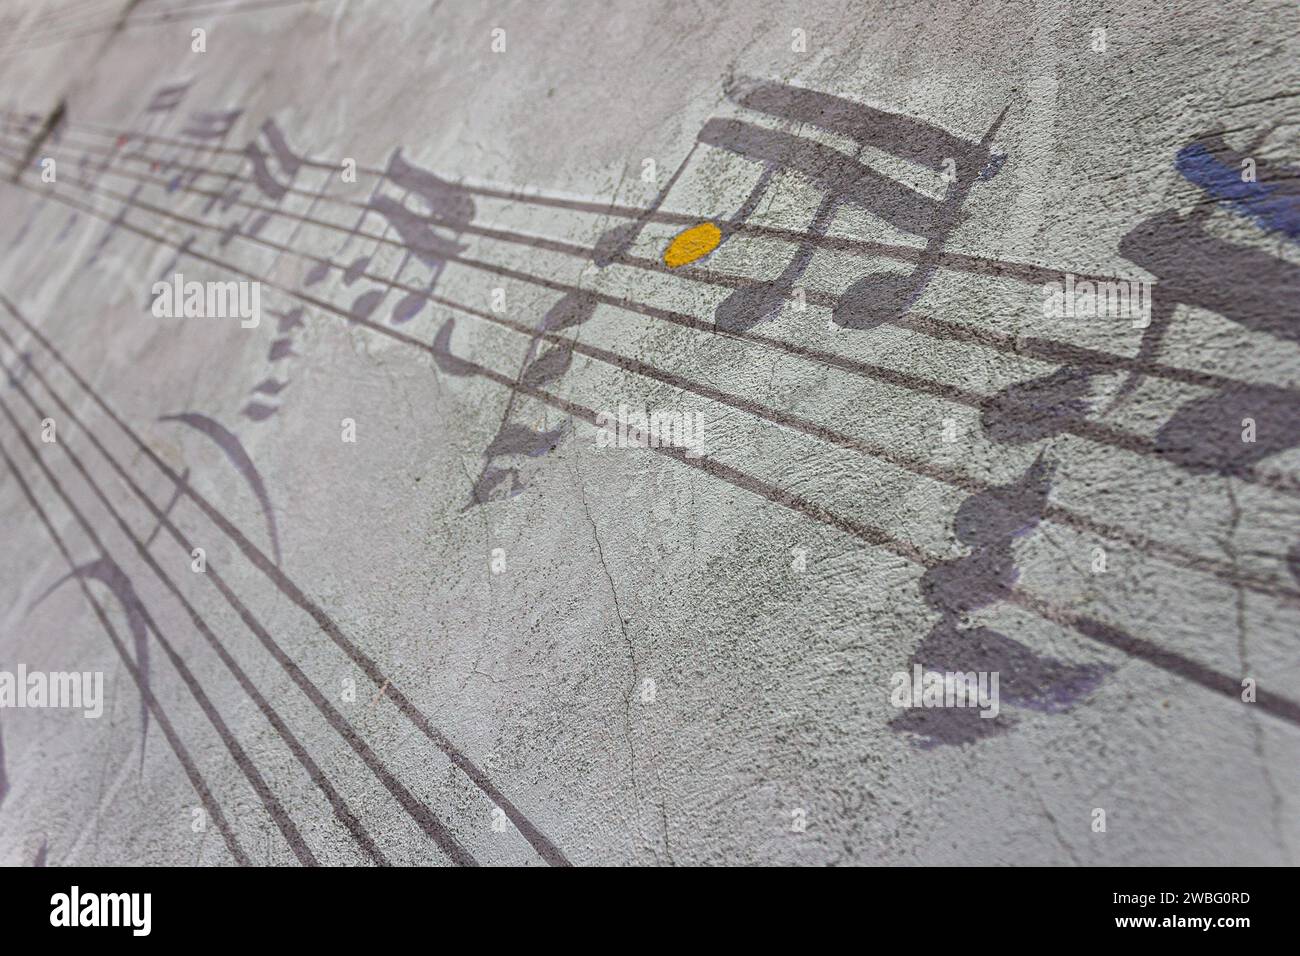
771 685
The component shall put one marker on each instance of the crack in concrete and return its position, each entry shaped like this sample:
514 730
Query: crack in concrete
635 671
1051 818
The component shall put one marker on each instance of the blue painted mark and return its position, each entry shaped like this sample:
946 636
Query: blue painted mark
1271 206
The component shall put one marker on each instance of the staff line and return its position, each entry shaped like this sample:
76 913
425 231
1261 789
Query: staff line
279 814
419 813
544 847
194 775
1046 350
1190 560
1085 625
1088 430
1026 272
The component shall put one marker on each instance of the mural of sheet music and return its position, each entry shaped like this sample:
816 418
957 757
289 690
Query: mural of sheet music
455 434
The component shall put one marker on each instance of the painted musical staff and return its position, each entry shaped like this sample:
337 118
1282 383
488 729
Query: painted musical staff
435 224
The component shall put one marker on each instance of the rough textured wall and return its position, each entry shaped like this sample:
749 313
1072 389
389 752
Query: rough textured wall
963 338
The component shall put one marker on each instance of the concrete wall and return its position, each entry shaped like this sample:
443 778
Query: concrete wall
480 631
